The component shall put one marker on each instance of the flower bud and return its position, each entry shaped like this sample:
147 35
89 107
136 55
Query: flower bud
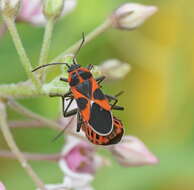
114 69
77 157
131 15
31 11
53 8
9 7
79 162
2 187
132 152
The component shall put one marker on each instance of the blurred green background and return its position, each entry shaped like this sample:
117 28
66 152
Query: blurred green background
158 99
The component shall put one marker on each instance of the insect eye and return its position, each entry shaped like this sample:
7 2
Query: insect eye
74 80
84 74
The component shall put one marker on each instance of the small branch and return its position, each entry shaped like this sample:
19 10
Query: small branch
12 145
30 156
28 113
46 45
20 49
99 30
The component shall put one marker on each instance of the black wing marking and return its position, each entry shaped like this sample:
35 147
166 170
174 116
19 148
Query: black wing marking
82 103
74 80
84 75
101 120
98 94
85 88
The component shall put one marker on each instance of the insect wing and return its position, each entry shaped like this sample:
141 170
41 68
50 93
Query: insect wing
101 120
98 96
113 138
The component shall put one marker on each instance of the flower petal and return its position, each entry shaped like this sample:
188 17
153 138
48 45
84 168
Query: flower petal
2 187
31 11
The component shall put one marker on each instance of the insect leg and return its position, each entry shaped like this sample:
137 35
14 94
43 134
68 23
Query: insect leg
79 122
114 106
118 94
70 113
65 95
100 79
58 135
90 67
63 79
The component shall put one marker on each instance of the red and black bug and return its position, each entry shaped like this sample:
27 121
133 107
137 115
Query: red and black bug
94 107
113 138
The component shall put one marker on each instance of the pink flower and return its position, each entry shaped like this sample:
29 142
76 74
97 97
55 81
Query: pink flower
2 187
79 158
132 152
79 163
31 11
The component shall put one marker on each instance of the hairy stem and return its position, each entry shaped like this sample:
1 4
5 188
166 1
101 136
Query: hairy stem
99 30
15 150
25 89
30 156
19 90
46 45
20 49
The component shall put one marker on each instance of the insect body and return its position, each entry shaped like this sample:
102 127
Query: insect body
92 104
93 107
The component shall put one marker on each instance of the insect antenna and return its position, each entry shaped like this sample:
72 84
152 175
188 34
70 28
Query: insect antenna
80 46
49 64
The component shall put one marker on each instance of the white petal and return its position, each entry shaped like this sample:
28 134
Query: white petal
76 183
2 187
55 187
69 6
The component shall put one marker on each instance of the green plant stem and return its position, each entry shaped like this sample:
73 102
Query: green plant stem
19 90
20 49
30 156
15 150
25 89
46 45
96 32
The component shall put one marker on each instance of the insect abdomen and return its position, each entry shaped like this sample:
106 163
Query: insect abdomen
113 138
